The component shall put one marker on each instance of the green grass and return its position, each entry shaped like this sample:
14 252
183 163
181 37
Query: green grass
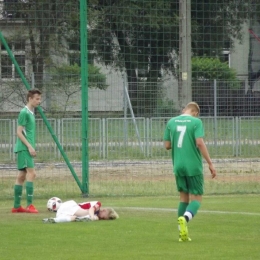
134 180
146 229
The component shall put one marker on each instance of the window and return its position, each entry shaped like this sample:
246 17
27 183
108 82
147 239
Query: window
226 57
74 53
8 70
6 66
13 9
21 62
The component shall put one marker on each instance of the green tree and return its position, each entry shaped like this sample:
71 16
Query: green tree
217 24
137 36
205 68
204 71
142 37
51 32
71 73
63 88
52 28
44 23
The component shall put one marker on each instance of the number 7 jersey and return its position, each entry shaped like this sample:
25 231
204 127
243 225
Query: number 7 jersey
182 131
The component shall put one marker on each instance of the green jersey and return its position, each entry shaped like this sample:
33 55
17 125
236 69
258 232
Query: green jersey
182 132
27 120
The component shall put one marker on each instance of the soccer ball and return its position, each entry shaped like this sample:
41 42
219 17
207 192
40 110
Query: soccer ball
53 204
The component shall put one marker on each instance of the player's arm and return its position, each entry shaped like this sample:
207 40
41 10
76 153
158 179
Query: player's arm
204 151
97 208
92 215
24 140
167 138
167 145
89 204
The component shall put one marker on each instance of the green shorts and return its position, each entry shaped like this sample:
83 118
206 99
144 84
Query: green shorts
24 160
190 184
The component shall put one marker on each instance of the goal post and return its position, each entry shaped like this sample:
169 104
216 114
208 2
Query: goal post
84 96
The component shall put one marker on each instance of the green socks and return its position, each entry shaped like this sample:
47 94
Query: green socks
18 189
29 192
182 208
191 210
193 207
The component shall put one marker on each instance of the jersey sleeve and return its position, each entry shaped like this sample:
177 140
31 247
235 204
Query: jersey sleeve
22 118
85 205
199 129
89 204
167 133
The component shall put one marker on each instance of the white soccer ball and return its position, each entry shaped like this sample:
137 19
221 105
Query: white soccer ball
53 204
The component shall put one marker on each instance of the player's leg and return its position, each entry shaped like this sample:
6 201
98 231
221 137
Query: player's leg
193 207
60 219
196 189
30 176
84 215
29 185
81 212
182 187
184 202
66 213
18 190
182 223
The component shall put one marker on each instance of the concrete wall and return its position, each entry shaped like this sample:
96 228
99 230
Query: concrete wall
239 54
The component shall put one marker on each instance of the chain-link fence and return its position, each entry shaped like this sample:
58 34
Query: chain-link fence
146 59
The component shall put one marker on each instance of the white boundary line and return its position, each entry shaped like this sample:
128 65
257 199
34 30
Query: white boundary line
200 211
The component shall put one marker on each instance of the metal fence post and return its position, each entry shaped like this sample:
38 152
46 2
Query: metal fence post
215 114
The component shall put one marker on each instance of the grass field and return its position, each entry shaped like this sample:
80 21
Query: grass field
227 227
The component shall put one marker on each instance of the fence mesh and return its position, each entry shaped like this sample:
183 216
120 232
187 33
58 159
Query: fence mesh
146 59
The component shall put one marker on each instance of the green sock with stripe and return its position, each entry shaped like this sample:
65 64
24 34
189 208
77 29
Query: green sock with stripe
29 192
182 208
18 190
192 210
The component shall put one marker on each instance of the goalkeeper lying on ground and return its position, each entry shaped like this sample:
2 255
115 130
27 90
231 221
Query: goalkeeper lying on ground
69 211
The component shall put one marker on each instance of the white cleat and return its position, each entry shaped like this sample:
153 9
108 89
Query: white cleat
48 220
82 219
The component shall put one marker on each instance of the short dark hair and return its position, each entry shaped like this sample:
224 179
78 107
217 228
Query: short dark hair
32 92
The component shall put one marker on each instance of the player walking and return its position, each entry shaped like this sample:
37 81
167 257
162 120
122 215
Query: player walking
184 136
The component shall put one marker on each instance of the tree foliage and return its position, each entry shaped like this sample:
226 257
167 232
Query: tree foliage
51 27
71 73
205 68
45 22
217 24
145 30
143 36
138 36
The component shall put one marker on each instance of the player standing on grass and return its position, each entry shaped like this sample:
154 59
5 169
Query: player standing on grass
184 135
25 153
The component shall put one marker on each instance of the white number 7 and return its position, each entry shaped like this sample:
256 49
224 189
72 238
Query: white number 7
182 130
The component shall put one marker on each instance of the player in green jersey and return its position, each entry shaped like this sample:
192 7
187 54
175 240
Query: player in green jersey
25 153
184 136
